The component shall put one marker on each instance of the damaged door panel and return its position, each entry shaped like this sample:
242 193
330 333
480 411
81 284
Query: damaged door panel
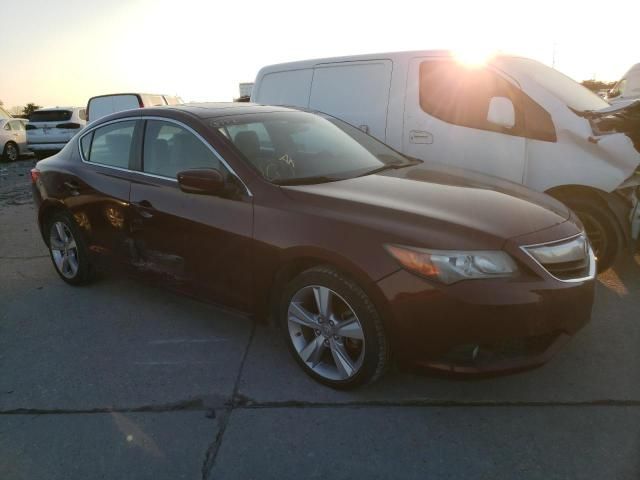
198 243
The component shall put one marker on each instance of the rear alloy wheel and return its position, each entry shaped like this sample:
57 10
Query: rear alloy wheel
67 250
11 152
333 329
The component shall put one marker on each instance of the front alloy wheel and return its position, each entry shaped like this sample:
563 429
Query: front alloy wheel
333 329
326 332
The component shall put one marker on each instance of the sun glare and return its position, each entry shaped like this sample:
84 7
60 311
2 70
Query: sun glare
474 57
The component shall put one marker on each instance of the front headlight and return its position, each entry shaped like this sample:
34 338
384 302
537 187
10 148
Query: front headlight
450 266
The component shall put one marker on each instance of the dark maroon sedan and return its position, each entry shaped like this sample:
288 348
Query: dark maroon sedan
356 250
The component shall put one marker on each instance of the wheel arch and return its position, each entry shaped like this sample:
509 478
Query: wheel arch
47 209
298 259
613 203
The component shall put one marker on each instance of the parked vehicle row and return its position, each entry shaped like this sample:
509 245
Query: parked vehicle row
49 129
513 118
357 250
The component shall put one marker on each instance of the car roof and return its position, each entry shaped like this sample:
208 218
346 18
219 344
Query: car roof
201 111
223 109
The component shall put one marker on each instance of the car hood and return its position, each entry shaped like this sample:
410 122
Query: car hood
431 197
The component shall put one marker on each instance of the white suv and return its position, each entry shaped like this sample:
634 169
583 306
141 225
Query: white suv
49 129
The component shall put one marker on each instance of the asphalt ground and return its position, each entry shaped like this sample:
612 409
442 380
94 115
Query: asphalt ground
123 380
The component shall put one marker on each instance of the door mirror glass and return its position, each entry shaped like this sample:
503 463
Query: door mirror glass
203 181
501 112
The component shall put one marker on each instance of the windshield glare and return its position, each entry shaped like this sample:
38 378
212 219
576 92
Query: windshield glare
300 147
569 91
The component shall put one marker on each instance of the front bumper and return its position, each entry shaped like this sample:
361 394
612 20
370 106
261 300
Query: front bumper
484 326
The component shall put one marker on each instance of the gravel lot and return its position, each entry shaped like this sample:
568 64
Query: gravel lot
121 380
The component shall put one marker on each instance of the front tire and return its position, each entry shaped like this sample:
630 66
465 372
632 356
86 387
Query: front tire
68 249
11 152
599 226
332 329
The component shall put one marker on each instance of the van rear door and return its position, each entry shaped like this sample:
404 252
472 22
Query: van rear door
102 106
356 92
289 87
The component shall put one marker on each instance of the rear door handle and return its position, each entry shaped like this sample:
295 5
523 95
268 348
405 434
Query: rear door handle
144 208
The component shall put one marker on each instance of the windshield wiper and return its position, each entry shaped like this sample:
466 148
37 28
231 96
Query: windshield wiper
392 166
306 180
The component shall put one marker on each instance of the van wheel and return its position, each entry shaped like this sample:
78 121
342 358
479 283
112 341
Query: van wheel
332 329
601 230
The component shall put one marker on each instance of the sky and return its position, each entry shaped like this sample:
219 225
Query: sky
63 52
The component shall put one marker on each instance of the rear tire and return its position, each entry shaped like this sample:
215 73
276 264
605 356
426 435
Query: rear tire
600 227
11 152
341 344
68 250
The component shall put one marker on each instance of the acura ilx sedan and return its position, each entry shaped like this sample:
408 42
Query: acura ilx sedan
356 252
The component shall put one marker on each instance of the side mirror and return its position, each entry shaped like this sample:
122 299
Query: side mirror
203 181
501 112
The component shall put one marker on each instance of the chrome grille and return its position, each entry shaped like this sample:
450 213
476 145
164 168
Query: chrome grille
570 259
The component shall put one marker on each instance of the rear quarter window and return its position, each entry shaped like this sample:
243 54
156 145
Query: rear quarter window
112 145
85 146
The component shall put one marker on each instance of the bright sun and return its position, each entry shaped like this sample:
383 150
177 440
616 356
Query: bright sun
474 56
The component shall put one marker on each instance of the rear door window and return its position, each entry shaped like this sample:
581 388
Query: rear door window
112 145
170 148
51 116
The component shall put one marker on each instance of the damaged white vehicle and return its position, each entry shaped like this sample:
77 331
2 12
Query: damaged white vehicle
509 117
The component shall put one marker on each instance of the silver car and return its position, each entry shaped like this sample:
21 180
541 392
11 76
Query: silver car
13 138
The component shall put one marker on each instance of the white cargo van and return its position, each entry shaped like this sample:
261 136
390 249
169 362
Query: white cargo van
103 105
512 117
627 88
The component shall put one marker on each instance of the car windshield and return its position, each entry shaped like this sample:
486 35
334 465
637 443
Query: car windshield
289 148
566 89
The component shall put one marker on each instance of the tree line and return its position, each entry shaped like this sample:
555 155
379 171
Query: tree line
25 111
